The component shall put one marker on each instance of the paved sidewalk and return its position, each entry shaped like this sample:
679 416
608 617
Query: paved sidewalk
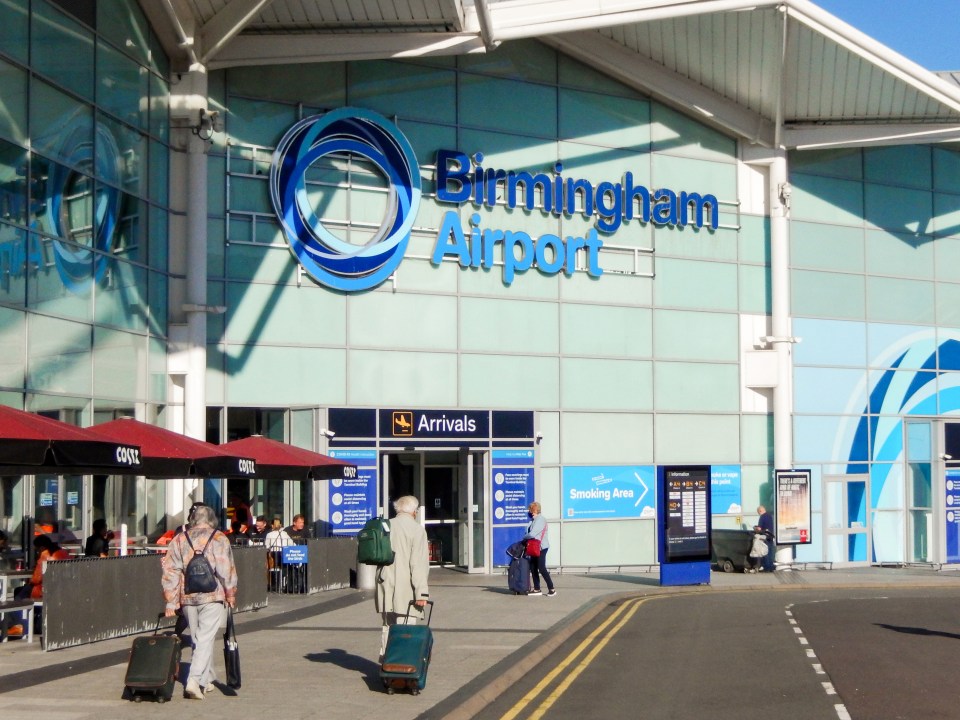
315 656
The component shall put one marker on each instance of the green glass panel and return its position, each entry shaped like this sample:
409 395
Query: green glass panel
573 73
14 35
157 309
21 256
260 264
255 122
121 299
121 87
275 376
159 108
828 295
756 441
899 165
118 370
948 305
607 438
508 326
159 174
679 335
717 438
592 384
898 209
13 337
696 387
46 291
157 244
390 378
946 169
59 359
846 247
907 301
946 215
492 103
284 315
755 239
521 60
407 90
699 285
826 200
121 154
59 127
62 49
605 331
382 320
509 381
593 119
317 85
13 90
842 163
13 189
617 542
123 23
907 255
695 175
675 133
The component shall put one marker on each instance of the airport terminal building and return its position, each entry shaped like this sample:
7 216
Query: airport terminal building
491 252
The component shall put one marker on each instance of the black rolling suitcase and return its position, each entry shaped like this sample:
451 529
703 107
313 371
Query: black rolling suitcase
518 573
153 666
407 657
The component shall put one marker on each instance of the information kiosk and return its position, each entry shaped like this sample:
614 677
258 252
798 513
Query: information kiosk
683 524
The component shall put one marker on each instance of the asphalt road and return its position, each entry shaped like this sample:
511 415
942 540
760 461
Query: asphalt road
792 654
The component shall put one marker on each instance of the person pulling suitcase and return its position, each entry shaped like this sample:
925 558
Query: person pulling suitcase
404 582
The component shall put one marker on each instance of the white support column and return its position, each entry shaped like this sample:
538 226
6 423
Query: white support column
781 340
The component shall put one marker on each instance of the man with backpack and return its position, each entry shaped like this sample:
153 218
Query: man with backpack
199 578
404 581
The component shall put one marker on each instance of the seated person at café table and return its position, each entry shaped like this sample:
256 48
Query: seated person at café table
98 544
46 550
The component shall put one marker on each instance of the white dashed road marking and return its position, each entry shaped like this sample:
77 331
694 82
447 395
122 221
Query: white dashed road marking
828 688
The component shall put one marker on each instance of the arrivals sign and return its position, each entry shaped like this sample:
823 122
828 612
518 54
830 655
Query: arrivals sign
434 424
461 179
609 492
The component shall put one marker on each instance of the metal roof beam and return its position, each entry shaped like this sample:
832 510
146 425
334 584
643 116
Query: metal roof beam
633 70
227 24
810 137
316 47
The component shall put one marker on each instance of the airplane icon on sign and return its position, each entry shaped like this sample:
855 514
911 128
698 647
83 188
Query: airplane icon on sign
403 424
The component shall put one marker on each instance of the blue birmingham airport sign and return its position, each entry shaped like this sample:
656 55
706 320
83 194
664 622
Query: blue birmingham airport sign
609 492
461 179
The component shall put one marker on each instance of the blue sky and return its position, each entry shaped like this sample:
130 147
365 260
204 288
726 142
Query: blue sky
926 31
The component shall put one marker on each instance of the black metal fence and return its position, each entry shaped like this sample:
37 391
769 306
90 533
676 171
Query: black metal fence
91 599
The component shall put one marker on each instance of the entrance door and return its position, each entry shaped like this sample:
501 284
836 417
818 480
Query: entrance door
449 486
845 511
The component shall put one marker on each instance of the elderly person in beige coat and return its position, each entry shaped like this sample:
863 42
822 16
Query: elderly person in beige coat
405 581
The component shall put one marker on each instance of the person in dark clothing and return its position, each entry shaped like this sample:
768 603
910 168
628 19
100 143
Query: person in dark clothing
258 534
98 544
765 527
298 530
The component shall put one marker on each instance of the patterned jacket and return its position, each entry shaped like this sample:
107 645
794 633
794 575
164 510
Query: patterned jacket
220 555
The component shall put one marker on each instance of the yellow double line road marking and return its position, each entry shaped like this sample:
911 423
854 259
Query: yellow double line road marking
618 619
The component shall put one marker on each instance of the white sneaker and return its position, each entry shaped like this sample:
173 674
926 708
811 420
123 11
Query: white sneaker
193 691
535 592
552 593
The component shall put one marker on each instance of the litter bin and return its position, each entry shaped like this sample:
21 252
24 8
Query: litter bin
731 549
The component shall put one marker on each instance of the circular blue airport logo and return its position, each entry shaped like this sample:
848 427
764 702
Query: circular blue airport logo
330 260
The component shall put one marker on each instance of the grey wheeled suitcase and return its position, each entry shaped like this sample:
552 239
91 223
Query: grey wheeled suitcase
153 666
407 657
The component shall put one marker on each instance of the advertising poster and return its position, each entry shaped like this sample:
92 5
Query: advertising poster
725 484
687 513
793 515
608 492
353 501
952 506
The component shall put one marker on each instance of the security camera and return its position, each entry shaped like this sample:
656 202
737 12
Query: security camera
329 434
539 436
944 456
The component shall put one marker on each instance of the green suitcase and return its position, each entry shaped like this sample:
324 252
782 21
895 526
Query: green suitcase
153 666
407 657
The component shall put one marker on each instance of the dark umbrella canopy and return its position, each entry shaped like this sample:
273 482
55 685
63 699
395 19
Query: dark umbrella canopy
167 454
31 443
280 461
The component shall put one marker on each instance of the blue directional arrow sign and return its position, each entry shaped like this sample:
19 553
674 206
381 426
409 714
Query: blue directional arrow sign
606 492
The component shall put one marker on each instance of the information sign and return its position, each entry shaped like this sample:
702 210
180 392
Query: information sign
293 555
353 501
793 514
725 484
513 485
687 513
952 506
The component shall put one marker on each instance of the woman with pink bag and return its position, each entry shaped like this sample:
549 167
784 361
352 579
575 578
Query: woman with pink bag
537 543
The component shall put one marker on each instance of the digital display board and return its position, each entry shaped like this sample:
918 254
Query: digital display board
687 513
793 516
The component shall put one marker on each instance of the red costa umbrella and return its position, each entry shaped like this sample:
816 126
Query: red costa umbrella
280 461
31 443
167 454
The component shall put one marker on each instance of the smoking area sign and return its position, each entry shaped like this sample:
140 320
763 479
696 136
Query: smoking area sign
609 492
